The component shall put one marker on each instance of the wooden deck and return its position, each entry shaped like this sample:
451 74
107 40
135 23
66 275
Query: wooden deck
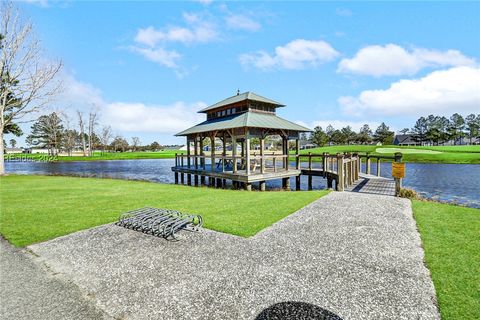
373 185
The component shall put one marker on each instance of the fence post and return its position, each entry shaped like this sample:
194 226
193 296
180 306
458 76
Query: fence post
309 161
340 172
398 181
367 164
324 164
378 167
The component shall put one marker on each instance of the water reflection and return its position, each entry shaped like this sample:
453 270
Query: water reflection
458 183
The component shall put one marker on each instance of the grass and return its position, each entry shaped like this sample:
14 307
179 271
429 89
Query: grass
420 154
38 208
451 239
432 154
167 154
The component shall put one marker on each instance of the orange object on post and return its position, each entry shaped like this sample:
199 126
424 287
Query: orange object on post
398 169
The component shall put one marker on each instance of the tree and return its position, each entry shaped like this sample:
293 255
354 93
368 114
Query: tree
473 126
13 143
348 134
420 129
69 136
28 80
81 125
329 131
92 122
46 133
364 136
155 146
383 134
105 137
338 137
404 131
457 125
319 137
119 144
135 143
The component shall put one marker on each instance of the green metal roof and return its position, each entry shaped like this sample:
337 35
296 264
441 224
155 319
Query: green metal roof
241 97
247 119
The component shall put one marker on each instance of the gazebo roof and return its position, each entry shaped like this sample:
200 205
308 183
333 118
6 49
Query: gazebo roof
247 119
241 97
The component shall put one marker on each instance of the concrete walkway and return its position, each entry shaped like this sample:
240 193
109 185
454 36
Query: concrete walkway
358 256
28 290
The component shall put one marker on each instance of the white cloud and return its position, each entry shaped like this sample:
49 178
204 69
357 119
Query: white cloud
242 22
296 54
161 56
138 117
440 92
125 117
198 30
393 60
339 124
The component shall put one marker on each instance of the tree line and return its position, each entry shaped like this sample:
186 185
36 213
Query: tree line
346 135
432 129
57 132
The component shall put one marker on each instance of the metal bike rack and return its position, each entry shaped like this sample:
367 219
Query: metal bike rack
163 223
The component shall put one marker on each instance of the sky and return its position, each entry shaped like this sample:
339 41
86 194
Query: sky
148 67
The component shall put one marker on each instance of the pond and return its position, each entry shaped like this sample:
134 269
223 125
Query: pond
457 183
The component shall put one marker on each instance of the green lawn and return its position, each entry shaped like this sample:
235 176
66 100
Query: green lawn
451 239
38 208
434 154
167 154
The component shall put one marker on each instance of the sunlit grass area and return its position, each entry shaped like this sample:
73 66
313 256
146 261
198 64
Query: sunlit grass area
38 208
451 239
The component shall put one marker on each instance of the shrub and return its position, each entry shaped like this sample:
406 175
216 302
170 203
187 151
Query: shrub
408 193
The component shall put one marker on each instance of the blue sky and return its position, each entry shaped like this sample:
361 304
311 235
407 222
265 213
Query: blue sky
148 66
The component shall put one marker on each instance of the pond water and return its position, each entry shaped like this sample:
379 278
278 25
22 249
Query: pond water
457 183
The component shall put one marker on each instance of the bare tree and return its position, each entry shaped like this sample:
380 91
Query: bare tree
81 124
92 122
27 80
135 143
105 137
69 136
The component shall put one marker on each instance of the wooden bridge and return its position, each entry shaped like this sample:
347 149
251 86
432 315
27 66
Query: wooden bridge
343 171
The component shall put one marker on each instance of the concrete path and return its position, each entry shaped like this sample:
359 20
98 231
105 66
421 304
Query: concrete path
28 290
355 255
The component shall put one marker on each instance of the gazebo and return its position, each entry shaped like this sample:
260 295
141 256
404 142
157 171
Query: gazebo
220 148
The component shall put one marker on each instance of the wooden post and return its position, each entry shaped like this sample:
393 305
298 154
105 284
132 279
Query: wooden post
202 180
310 182
351 167
329 182
367 164
285 158
262 185
176 177
398 181
297 152
248 186
262 155
212 151
340 172
287 184
242 161
182 177
234 153
202 159
324 164
309 161
188 153
195 179
247 155
378 167
176 160
355 166
297 183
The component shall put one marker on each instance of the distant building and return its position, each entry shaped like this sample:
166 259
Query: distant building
305 144
36 150
13 150
405 140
